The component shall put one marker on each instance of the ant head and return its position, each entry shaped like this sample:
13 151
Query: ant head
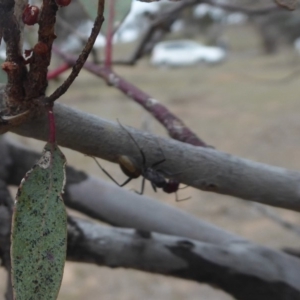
128 167
155 177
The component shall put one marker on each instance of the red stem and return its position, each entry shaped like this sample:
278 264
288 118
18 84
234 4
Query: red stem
52 129
109 34
55 73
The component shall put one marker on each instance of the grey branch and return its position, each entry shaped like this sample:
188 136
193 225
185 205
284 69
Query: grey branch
244 270
112 204
204 253
205 169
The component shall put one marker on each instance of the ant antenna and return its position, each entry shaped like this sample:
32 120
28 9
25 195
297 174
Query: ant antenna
179 200
135 142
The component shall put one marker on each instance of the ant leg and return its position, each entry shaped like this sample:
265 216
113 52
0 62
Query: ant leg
158 163
107 174
153 186
162 160
142 188
125 182
179 200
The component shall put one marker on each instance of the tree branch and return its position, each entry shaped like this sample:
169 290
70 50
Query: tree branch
165 19
14 64
276 218
202 168
229 262
78 64
112 204
244 270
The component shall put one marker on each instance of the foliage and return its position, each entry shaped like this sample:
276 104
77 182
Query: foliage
39 231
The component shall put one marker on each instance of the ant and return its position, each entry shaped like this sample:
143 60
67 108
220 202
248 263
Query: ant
150 173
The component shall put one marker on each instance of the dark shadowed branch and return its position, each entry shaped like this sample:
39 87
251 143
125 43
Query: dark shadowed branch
276 218
244 270
199 252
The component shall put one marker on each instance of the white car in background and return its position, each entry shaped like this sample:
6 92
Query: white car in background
185 53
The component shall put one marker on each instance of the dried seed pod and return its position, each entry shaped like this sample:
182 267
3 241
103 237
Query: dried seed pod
9 66
30 14
40 48
63 2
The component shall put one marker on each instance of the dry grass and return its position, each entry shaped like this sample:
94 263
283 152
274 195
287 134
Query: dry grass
234 107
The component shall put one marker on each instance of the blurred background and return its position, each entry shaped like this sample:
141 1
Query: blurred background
244 101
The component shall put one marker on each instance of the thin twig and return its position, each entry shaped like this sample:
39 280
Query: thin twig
270 213
235 8
166 19
82 57
287 4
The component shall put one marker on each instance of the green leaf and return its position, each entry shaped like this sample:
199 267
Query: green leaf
39 229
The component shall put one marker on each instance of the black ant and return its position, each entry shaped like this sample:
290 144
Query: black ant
150 173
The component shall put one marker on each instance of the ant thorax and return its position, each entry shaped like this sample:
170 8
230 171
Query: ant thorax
128 167
155 177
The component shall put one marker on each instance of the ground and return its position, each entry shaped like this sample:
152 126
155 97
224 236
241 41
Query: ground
240 107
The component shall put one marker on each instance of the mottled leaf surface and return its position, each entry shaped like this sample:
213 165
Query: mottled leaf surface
39 229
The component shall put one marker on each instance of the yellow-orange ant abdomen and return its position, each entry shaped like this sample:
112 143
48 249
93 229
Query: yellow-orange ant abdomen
128 167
